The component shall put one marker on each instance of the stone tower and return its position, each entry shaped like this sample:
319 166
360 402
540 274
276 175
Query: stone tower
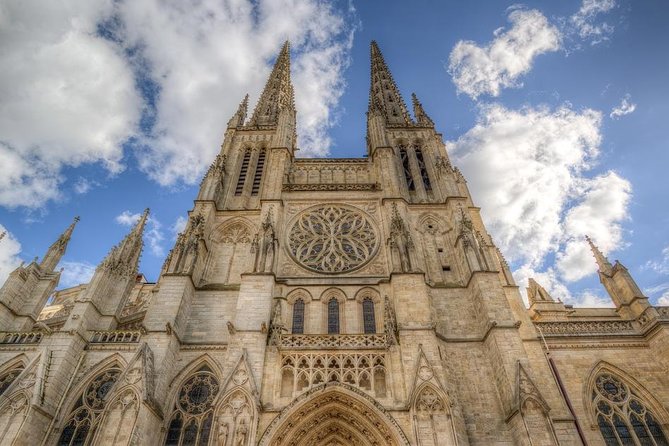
354 301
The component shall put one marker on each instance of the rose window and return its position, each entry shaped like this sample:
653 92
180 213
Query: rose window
332 239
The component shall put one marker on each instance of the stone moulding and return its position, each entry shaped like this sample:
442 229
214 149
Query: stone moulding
572 328
116 337
316 342
325 187
24 337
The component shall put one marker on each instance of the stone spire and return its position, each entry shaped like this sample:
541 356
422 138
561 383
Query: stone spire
123 259
603 263
239 117
278 92
56 251
419 114
384 97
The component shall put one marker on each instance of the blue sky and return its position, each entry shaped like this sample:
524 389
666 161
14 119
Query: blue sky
554 111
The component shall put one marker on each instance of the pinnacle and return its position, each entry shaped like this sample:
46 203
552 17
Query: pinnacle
603 263
278 92
383 93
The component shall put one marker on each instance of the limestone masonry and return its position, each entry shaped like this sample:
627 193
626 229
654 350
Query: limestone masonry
327 302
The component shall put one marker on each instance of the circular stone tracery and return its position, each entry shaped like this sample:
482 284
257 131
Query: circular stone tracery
332 239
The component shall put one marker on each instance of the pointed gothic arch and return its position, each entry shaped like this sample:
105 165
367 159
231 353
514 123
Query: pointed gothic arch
87 402
232 240
333 411
622 409
192 403
10 371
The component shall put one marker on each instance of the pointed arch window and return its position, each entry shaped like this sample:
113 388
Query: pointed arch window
298 316
623 418
191 421
84 418
243 170
423 170
8 378
333 316
257 177
368 319
404 158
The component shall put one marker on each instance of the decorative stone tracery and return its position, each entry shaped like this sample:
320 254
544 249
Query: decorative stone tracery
332 239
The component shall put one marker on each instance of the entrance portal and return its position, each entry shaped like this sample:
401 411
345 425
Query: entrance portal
334 415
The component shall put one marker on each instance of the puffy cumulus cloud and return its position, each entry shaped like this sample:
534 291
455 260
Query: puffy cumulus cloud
10 248
625 108
478 70
586 21
67 96
75 273
153 232
203 56
84 79
528 170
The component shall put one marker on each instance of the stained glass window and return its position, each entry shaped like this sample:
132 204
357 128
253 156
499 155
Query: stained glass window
622 417
368 319
298 316
333 316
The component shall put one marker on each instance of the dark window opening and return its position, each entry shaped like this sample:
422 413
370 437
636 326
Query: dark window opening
368 319
242 172
404 157
258 175
333 316
298 317
423 169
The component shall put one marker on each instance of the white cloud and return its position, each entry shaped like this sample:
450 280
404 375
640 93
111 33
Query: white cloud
75 76
9 254
625 108
178 226
152 232
67 97
83 185
585 22
527 169
478 70
75 273
660 266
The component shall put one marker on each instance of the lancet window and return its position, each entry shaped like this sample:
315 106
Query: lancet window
368 319
257 178
243 170
84 418
423 170
8 378
298 316
191 422
333 316
404 158
622 416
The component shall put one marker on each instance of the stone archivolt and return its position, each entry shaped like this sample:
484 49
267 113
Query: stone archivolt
332 415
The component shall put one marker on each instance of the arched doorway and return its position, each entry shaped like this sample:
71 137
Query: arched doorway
334 414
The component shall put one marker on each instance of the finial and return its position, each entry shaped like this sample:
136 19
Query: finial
603 263
537 293
419 113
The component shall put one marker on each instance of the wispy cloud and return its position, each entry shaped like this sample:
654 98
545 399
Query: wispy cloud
532 213
10 248
478 70
75 273
153 231
162 77
625 108
587 23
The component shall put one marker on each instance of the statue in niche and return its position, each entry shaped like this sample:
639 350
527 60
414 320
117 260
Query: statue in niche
264 246
400 241
389 322
223 432
276 326
472 243
241 433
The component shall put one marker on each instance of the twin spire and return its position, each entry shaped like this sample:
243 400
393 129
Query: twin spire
278 94
385 97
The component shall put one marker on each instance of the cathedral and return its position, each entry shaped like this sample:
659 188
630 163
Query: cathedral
327 302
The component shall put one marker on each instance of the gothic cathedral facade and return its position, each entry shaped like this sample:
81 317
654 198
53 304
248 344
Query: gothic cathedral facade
327 302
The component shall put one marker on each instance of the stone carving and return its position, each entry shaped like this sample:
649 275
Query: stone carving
223 433
264 246
473 244
429 401
400 242
390 322
276 326
366 371
331 187
183 256
586 327
332 239
322 341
